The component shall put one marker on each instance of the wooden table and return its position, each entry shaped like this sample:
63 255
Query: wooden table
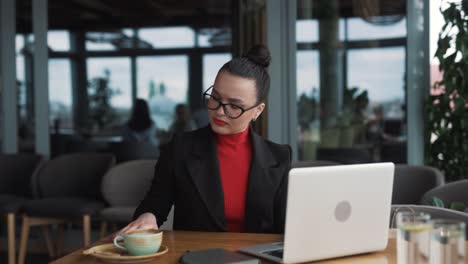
180 241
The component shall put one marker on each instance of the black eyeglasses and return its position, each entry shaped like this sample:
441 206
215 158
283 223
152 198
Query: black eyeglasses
231 110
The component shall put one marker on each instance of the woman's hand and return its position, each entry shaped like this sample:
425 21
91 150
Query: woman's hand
144 221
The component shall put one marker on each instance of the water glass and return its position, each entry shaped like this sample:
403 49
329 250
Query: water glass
447 242
413 237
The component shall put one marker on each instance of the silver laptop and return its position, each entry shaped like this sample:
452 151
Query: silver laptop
332 212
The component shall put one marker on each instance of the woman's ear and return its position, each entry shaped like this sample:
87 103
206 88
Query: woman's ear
259 111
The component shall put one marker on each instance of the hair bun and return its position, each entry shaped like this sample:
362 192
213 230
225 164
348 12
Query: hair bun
260 55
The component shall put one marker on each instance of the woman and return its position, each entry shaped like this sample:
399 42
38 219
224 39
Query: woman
140 127
223 177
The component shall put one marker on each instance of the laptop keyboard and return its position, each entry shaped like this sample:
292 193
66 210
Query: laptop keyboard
275 253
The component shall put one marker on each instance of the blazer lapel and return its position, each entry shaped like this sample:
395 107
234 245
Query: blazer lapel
264 178
203 167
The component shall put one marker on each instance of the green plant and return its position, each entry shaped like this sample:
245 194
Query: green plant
447 109
307 109
101 112
458 206
355 103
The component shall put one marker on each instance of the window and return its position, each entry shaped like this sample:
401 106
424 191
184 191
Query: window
211 65
307 30
60 93
163 82
58 40
211 37
359 29
169 37
115 74
351 88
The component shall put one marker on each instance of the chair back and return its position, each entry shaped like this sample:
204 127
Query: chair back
313 163
344 155
451 192
127 183
126 151
412 181
435 212
16 171
77 175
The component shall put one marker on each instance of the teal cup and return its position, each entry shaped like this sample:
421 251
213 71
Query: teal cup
140 242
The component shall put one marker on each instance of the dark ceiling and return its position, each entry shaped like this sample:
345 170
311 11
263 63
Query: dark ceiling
95 15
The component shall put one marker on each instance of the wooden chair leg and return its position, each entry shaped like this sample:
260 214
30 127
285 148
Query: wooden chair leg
11 238
86 230
103 231
59 245
24 240
50 248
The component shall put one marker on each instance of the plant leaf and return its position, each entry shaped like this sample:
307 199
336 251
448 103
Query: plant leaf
459 206
437 202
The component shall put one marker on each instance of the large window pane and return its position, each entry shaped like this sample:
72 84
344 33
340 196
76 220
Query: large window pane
307 30
351 86
60 94
163 82
359 29
20 75
58 40
107 41
308 81
384 82
115 74
210 37
173 37
211 65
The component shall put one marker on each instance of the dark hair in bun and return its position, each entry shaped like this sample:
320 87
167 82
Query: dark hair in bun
252 66
259 55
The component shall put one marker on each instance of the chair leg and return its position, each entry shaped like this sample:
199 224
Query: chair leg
24 240
103 231
49 244
59 245
86 230
11 238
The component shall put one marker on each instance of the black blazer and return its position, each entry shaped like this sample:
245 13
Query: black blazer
187 175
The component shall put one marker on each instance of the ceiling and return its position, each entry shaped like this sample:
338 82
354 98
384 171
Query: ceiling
96 15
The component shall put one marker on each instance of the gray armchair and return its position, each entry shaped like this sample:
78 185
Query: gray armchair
126 151
412 181
451 192
16 171
345 155
123 187
313 163
69 190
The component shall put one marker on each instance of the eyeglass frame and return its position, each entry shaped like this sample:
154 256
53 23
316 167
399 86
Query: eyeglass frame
221 104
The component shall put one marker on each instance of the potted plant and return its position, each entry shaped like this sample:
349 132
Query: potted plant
101 113
447 107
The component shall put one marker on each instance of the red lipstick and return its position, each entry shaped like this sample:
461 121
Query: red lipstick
219 122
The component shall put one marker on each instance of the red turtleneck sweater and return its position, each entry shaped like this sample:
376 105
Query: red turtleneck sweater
234 156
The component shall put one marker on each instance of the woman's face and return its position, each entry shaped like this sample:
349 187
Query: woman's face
235 90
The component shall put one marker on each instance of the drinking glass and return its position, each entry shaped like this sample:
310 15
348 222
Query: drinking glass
413 231
447 242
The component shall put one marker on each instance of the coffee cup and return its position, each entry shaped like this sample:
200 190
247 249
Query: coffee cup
140 242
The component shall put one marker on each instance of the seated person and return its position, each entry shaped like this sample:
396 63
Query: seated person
223 177
140 127
182 121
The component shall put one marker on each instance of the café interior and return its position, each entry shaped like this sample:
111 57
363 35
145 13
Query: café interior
349 84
